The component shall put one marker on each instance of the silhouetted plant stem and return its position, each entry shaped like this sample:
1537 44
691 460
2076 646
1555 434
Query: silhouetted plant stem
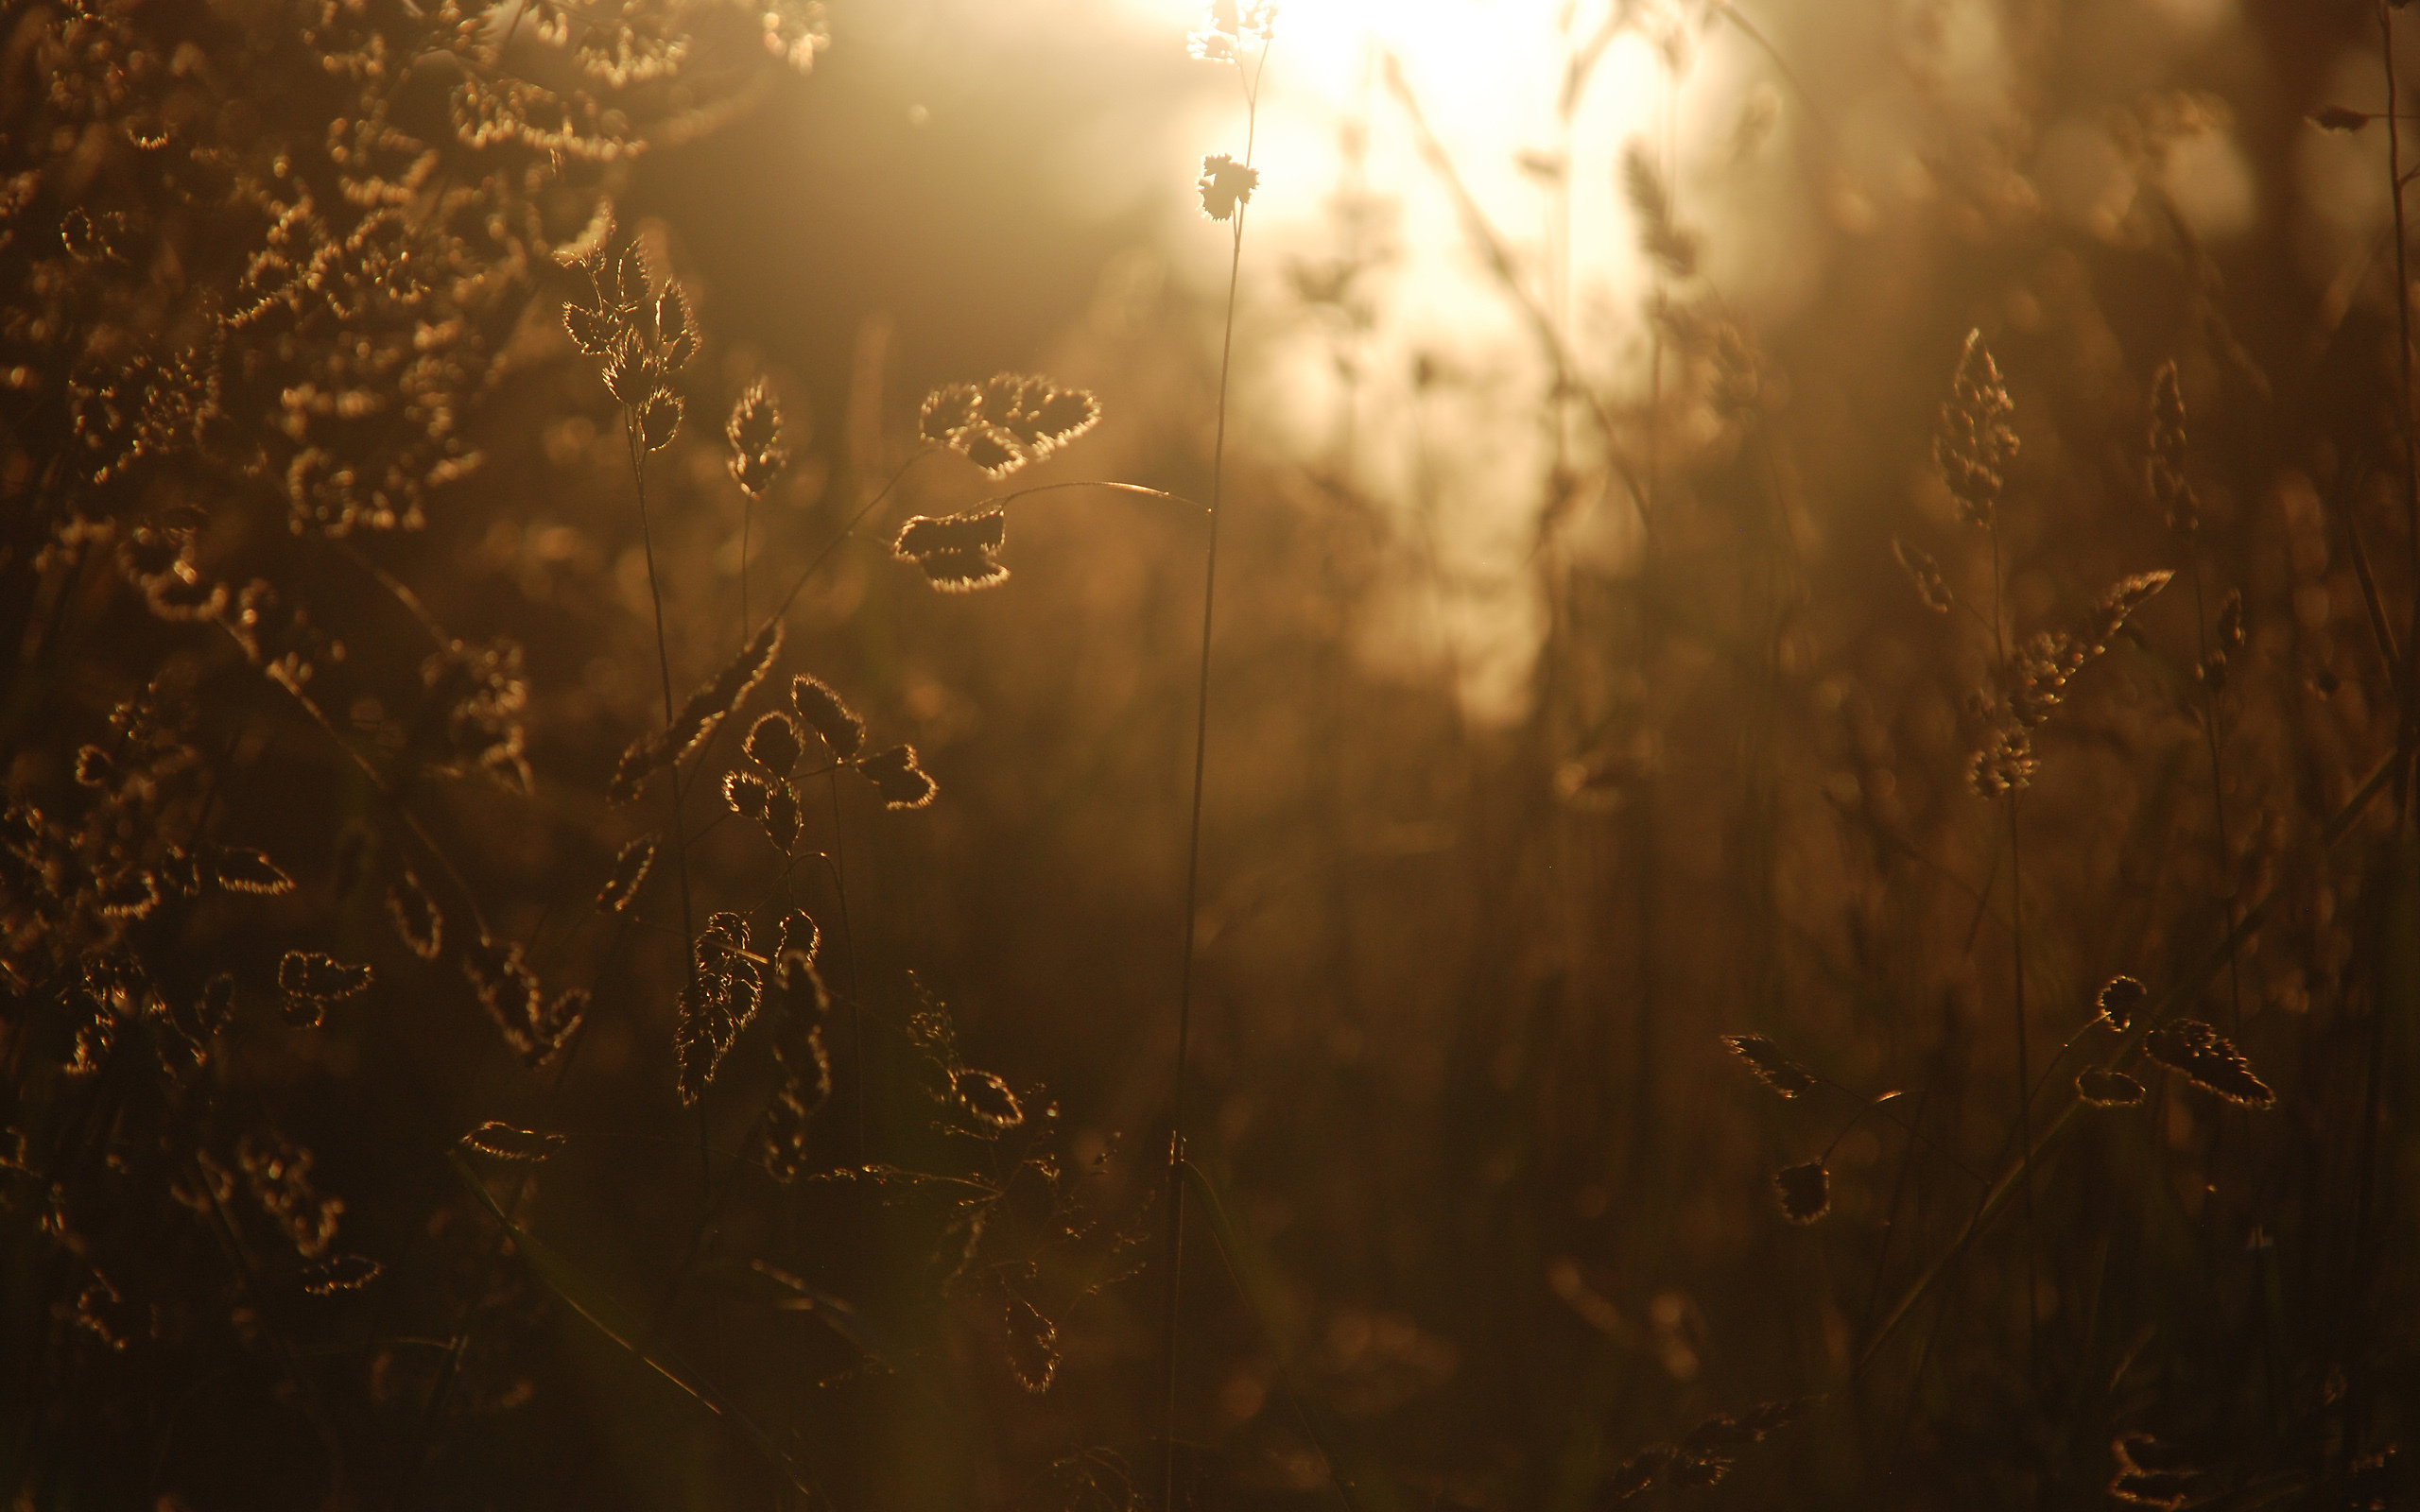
2218 791
2408 685
2016 991
849 943
1193 841
664 667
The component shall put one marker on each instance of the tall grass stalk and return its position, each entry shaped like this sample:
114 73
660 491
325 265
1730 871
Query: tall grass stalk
2016 990
635 435
1175 1196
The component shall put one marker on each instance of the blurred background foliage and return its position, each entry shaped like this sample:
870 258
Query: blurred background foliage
1569 710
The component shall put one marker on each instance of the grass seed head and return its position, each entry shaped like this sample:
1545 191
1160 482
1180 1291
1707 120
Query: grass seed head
754 434
895 776
986 1096
1973 443
1806 1191
629 869
418 922
239 868
2119 999
780 816
2208 1062
834 722
503 1141
2108 1088
773 743
746 793
1776 1070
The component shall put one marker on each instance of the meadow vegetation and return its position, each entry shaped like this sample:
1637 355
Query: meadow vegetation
599 911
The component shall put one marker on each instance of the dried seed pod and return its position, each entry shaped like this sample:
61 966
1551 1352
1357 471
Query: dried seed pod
897 777
2208 1062
94 767
2121 997
2108 1088
1772 1068
773 743
418 922
502 1141
2231 624
629 869
1926 574
1806 1191
988 1097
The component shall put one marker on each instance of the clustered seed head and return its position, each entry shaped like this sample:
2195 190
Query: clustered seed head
754 431
959 552
773 743
1008 420
895 776
1228 25
2119 1000
2169 488
1226 186
834 722
698 717
641 342
2034 684
1772 1068
725 986
1975 445
2208 1062
989 1099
